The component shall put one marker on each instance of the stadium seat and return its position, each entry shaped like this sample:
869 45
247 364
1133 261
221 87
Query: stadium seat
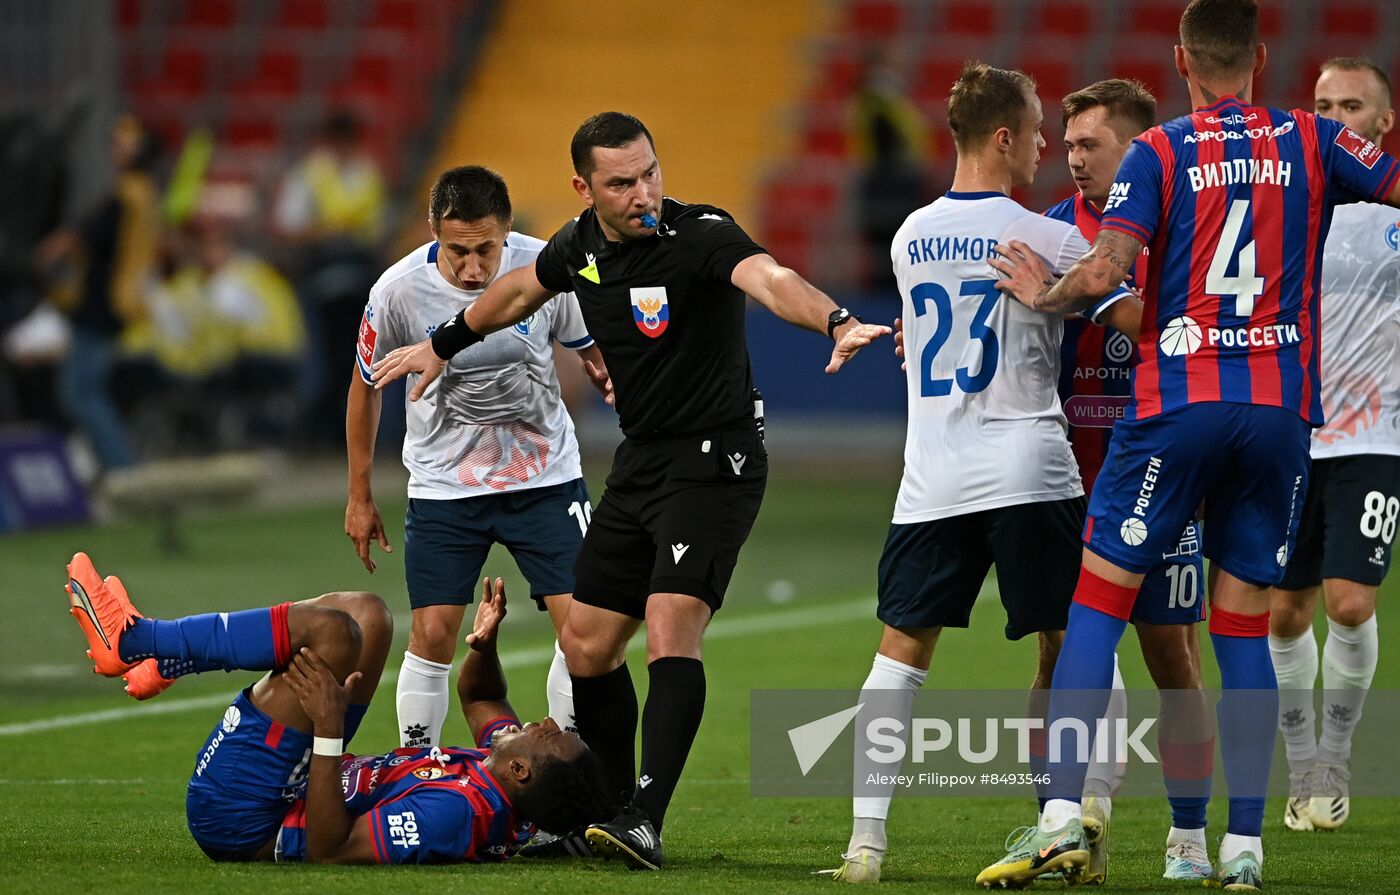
1157 74
970 17
934 78
1063 18
262 130
1350 21
182 73
210 13
307 14
1054 78
1156 18
868 19
127 14
276 74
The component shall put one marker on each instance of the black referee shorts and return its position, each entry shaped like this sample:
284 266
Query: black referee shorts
931 572
672 520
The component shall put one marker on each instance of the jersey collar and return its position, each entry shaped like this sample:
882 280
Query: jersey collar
1082 202
984 194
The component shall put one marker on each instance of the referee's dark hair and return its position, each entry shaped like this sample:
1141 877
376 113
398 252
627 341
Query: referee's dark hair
1220 35
985 99
609 130
468 193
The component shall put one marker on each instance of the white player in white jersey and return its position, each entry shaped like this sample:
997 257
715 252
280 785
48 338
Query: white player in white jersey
490 449
1349 518
989 476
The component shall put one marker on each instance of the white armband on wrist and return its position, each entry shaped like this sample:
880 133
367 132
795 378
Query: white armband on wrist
330 746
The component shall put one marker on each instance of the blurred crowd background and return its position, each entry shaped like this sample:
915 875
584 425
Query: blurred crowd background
196 195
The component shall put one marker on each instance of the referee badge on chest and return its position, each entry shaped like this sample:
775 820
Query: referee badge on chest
650 310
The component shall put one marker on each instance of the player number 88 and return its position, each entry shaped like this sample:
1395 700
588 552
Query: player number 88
1380 516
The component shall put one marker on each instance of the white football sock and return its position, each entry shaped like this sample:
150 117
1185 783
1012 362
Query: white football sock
559 690
1233 845
421 700
1295 666
1103 777
1348 664
1178 836
899 683
1057 813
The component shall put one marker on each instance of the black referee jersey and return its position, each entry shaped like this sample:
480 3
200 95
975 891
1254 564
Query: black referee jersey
665 316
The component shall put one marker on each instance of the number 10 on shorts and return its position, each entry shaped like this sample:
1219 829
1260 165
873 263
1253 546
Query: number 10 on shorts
582 511
1182 592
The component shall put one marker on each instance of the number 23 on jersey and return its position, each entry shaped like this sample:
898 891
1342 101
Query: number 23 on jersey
967 329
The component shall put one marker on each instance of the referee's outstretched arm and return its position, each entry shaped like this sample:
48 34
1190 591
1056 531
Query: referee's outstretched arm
783 291
509 299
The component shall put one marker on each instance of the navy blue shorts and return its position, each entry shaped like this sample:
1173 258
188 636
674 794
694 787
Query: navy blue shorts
246 777
1349 521
1172 592
1248 462
931 572
446 541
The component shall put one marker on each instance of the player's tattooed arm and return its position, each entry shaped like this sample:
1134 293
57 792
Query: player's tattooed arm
1092 278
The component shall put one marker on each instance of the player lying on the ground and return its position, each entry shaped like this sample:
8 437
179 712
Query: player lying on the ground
273 781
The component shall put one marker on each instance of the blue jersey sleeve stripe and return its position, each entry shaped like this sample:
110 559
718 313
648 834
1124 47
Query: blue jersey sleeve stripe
577 343
1136 231
365 371
1095 311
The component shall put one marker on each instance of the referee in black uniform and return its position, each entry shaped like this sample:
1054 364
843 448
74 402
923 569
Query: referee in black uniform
662 286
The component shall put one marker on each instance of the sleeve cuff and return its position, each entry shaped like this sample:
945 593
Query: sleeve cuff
1094 313
1136 231
577 344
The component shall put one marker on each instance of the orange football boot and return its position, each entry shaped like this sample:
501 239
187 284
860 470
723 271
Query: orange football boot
102 614
143 680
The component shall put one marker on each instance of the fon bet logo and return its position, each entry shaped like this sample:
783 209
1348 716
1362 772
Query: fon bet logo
650 310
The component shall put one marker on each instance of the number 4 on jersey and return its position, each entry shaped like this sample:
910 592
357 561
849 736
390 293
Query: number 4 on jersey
1245 285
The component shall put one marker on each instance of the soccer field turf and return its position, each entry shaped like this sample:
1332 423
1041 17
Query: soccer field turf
98 805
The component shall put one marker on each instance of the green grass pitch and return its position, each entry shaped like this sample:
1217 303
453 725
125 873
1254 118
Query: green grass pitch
99 807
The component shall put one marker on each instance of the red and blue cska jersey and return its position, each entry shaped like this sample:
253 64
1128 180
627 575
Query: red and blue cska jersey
1234 202
425 806
1095 361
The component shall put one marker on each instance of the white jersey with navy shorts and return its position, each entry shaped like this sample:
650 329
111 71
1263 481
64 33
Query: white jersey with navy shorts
494 421
989 475
1352 510
490 448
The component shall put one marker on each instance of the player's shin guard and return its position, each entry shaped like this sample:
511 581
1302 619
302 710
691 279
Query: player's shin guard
1348 665
888 692
422 700
1295 667
1187 747
1082 685
1250 694
559 691
605 709
675 704
251 640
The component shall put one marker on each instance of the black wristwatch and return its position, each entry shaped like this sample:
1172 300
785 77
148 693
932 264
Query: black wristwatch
836 318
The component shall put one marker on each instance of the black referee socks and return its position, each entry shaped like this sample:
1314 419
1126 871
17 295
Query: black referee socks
605 711
675 704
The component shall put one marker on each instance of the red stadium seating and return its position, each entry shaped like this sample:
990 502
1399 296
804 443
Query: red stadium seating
277 74
1350 21
1054 78
971 17
874 18
210 13
309 14
1157 18
1063 18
